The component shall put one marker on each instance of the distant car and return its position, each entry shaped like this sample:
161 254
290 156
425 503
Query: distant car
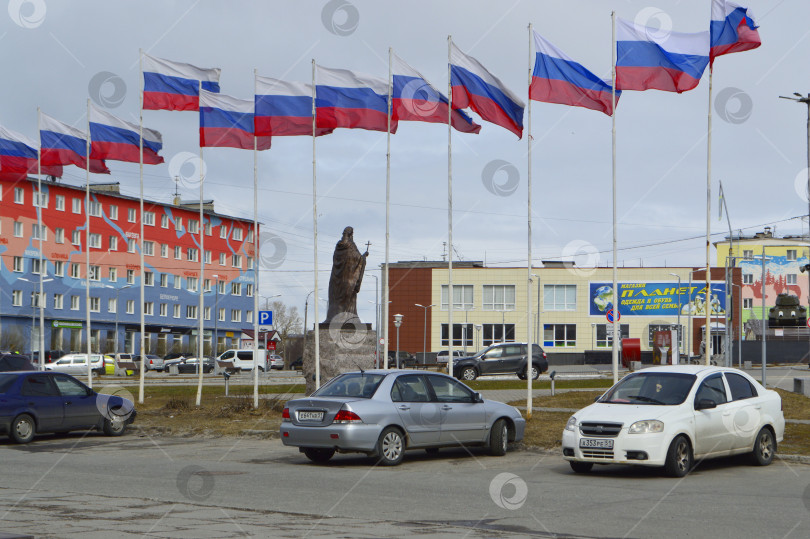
406 359
442 355
76 364
35 402
15 362
501 358
173 355
671 415
153 362
275 361
298 364
383 413
188 365
109 364
50 355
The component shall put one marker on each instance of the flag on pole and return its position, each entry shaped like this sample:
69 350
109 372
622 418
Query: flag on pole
558 79
65 145
475 87
352 100
733 29
648 59
171 85
720 203
415 99
227 122
113 138
18 157
284 109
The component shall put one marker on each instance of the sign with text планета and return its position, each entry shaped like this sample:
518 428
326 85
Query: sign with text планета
657 299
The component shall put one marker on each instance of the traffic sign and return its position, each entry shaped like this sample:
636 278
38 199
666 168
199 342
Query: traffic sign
382 339
808 322
609 315
265 318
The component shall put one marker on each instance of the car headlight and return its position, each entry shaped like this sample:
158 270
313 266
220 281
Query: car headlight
648 426
572 424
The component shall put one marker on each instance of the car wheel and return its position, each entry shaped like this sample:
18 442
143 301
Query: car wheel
390 447
116 424
22 429
679 457
535 372
498 438
581 467
764 448
316 454
521 375
469 373
261 369
99 372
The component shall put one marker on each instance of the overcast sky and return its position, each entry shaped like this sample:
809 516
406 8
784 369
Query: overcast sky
57 54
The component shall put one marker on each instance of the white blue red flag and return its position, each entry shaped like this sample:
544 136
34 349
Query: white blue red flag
171 85
352 100
284 109
558 79
62 144
414 99
113 138
18 157
475 87
733 29
227 122
649 59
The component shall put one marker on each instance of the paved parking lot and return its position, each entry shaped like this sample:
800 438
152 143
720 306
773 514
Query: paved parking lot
92 486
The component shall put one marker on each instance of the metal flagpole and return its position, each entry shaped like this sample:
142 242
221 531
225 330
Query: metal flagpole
707 306
450 302
142 372
41 265
317 340
616 327
387 215
87 246
529 324
256 257
730 259
201 279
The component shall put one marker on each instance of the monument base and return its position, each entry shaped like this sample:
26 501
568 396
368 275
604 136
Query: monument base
341 350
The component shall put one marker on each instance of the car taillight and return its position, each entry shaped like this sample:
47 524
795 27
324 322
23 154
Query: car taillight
545 356
285 414
345 416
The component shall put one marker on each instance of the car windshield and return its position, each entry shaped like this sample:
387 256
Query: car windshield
6 380
354 385
658 388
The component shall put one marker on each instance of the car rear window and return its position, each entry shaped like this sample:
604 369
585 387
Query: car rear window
354 385
6 381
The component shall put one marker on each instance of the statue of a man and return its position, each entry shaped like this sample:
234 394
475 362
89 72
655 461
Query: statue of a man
348 266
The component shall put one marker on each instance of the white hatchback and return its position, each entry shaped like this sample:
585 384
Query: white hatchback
76 364
669 416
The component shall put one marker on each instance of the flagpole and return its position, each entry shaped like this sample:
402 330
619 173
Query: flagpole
529 356
41 298
616 327
317 340
707 302
142 372
450 207
256 255
387 214
202 274
87 247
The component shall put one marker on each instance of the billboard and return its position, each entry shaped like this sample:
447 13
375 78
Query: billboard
657 299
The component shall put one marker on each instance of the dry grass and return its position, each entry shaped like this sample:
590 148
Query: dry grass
797 440
545 429
794 406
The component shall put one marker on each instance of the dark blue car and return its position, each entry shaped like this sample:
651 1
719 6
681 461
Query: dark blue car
36 402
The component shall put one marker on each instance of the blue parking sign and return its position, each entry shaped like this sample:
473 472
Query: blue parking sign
265 318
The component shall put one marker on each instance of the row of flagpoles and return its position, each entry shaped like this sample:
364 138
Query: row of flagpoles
643 59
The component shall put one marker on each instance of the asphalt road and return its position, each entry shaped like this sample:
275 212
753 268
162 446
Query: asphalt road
87 485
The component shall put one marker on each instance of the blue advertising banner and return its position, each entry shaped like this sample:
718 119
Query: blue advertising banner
657 299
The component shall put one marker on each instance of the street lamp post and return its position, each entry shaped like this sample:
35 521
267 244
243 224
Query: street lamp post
397 323
424 332
41 304
678 348
216 319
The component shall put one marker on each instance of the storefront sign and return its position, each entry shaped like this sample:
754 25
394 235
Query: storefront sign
67 324
657 299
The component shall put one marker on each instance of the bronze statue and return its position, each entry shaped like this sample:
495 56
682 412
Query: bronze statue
348 266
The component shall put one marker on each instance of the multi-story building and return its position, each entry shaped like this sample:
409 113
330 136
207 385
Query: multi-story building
568 307
171 273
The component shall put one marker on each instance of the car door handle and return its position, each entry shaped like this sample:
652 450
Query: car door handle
404 407
725 414
447 407
758 407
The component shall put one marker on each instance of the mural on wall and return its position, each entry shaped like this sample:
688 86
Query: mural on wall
782 276
658 299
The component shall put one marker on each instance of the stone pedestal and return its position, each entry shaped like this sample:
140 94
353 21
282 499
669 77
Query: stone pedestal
344 348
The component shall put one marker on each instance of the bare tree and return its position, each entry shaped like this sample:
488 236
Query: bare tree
286 320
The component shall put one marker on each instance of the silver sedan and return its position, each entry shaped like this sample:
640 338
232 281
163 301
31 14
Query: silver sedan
383 413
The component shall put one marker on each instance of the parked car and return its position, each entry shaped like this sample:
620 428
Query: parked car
275 361
50 355
76 364
669 416
37 402
109 364
123 357
298 364
501 358
243 359
188 365
153 362
442 355
383 413
15 362
173 355
406 359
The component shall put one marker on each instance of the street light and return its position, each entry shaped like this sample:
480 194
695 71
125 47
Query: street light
679 318
41 305
397 323
216 320
424 332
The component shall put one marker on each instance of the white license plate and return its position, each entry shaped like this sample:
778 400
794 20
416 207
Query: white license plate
310 416
598 443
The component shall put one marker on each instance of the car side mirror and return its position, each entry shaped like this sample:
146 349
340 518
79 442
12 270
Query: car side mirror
478 398
705 404
90 392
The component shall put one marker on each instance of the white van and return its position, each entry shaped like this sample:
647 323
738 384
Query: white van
243 359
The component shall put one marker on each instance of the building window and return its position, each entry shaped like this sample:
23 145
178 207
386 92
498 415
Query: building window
76 237
790 278
604 334
178 223
149 278
130 306
95 273
559 335
113 243
236 289
131 215
237 261
249 317
176 310
113 212
19 195
58 301
130 245
221 259
16 298
250 262
191 284
191 311
130 276
462 334
74 270
178 252
237 234
59 235
77 205
95 241
495 333
192 254
60 202
748 278
74 303
207 285
791 254
59 268
250 236
95 208
18 264
499 298
748 303
149 248
113 274
207 228
221 285
35 265
164 221
177 280
236 315
164 309
35 232
18 229
149 218
95 304
462 297
40 199
192 226
35 300
207 313
249 290
221 315
207 257
748 254
560 297
149 308
112 305
164 280
223 232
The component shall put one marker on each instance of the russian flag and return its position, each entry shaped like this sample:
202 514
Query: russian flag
558 79
171 85
284 109
113 138
62 144
732 28
227 122
473 86
415 99
352 100
645 60
18 157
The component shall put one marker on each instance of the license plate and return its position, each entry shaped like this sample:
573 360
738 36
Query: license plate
310 416
598 443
